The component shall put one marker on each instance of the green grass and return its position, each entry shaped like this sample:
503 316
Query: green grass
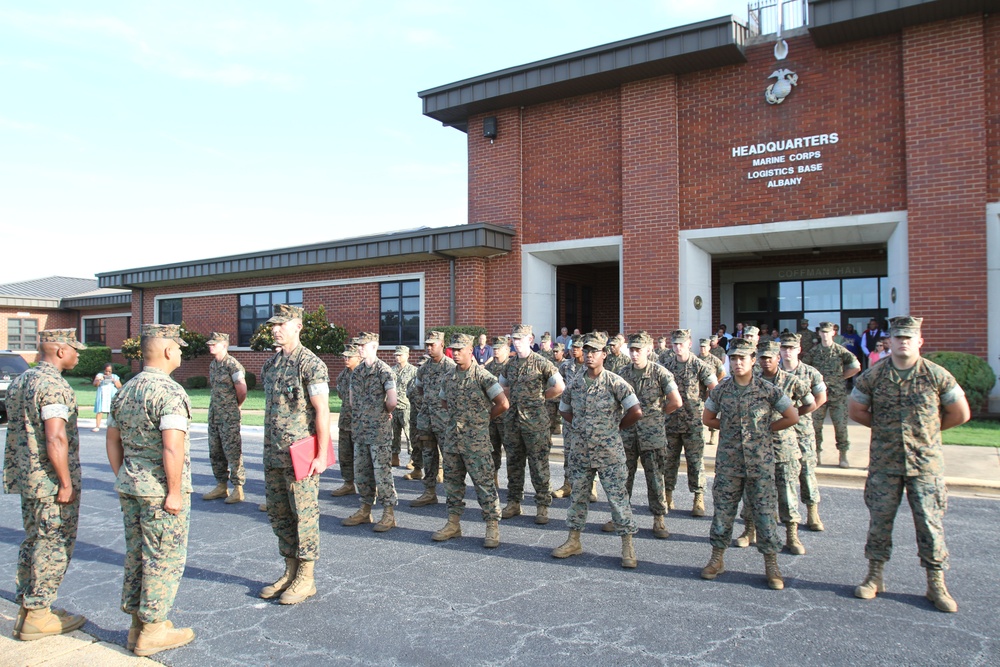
976 433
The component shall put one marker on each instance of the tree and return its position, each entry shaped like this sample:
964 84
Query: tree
318 334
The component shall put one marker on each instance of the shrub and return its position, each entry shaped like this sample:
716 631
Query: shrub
197 382
121 370
92 361
972 373
128 376
251 380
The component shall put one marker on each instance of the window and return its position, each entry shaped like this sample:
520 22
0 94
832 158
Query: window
170 311
95 332
255 309
399 313
22 334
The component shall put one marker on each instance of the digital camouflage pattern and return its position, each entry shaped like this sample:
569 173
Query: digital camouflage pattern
831 362
416 401
528 436
569 369
372 432
787 454
744 460
345 444
432 422
906 454
225 444
617 362
806 436
405 377
292 507
683 427
469 398
598 405
49 539
495 368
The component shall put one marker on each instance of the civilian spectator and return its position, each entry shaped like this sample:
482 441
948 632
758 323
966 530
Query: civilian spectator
482 352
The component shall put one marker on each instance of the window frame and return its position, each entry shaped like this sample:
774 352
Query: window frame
242 337
20 345
176 307
101 340
394 334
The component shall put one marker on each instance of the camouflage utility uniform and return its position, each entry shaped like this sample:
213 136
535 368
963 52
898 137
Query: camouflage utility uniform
569 369
787 455
405 376
372 432
495 368
345 443
225 444
831 362
432 422
684 428
806 435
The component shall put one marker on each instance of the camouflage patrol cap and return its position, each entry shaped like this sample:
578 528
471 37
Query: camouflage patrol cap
355 341
434 337
617 339
751 331
521 331
768 349
804 323
218 337
577 340
595 340
402 350
284 313
546 337
704 342
640 339
168 331
500 341
460 341
790 340
350 350
713 339
741 347
680 335
65 336
905 326
558 347
826 326
366 337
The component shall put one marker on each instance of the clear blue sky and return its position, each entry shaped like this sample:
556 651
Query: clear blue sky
136 133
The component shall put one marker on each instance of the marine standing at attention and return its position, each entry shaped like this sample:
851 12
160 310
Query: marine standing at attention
227 378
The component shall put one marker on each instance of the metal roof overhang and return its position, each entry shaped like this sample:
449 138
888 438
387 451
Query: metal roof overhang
102 301
838 21
14 301
472 240
704 45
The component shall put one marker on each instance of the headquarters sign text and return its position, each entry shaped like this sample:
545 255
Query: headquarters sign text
786 160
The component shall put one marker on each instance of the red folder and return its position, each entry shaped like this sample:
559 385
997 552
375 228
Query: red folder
304 451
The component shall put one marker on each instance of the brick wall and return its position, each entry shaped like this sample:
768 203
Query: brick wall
991 86
47 319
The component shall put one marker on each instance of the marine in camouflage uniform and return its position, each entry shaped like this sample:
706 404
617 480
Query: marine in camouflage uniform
807 338
432 422
804 432
470 396
227 379
716 362
556 356
42 406
836 364
405 374
907 401
373 398
617 360
599 404
528 380
684 428
415 398
742 407
496 365
147 415
567 369
345 421
646 440
296 406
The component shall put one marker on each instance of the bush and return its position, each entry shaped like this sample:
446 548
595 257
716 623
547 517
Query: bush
92 361
251 380
318 334
972 373
121 370
449 331
197 382
128 376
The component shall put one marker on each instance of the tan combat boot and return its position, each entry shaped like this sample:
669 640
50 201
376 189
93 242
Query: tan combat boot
716 565
387 521
346 489
813 521
395 461
221 490
409 465
593 492
236 496
428 497
21 613
660 527
133 632
937 592
774 579
608 527
156 637
492 540
262 507
511 509
363 515
628 552
792 542
570 547
669 500
272 591
46 622
303 587
451 529
563 491
748 537
698 508
416 473
542 515
874 583
844 463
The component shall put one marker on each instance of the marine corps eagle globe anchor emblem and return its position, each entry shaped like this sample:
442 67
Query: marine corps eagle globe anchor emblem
779 90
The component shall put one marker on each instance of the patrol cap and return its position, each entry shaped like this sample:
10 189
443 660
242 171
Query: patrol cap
704 342
790 340
168 331
617 339
640 339
905 326
434 337
769 349
460 341
741 347
218 337
751 330
521 331
501 341
713 339
595 340
350 350
402 350
65 336
680 335
558 347
577 340
826 326
804 323
284 313
546 337
366 337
